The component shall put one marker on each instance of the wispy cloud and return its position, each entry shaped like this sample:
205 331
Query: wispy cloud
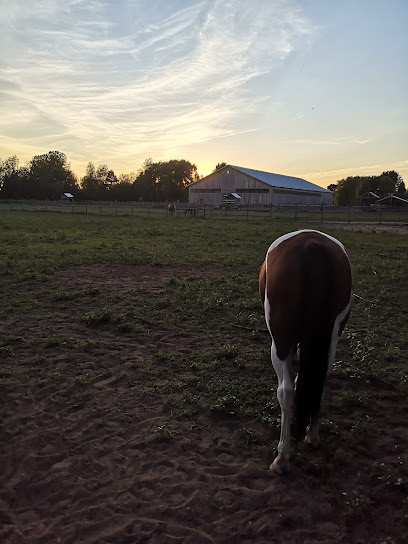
365 170
126 79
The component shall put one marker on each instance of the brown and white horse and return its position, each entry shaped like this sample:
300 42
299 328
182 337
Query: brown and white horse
305 289
171 208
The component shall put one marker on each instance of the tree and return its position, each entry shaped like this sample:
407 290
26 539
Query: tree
50 176
98 182
13 179
348 191
164 181
219 165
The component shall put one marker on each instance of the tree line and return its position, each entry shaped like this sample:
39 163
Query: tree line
348 191
48 176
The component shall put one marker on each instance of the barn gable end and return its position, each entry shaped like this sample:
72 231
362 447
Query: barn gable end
255 187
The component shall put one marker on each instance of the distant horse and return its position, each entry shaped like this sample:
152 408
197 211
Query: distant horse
305 289
171 208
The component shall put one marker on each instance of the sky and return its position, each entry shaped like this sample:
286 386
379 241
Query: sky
316 89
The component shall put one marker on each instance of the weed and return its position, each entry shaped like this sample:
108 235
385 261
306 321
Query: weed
57 375
84 379
224 405
164 432
86 345
6 373
95 318
62 295
52 341
7 351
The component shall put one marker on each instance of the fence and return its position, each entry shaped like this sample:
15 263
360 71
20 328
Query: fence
297 213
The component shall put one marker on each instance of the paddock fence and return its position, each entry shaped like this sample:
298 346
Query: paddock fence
293 213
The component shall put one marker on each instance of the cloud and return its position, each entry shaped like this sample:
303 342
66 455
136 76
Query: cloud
368 169
150 83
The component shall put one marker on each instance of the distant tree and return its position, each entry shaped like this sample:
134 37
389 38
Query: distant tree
89 183
349 190
49 176
164 181
98 182
127 178
400 188
13 179
122 191
110 179
219 165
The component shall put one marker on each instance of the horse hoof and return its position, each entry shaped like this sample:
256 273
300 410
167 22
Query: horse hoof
279 468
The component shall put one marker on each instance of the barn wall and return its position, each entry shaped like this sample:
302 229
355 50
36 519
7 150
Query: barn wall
252 192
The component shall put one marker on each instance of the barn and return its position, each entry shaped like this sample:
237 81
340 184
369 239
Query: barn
393 200
246 187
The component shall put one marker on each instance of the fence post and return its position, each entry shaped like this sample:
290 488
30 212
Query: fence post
349 215
321 213
295 212
380 218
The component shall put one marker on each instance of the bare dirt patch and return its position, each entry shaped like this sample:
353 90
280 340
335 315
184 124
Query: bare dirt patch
93 448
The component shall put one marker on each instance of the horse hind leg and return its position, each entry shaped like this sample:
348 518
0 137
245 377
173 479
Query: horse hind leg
285 395
312 433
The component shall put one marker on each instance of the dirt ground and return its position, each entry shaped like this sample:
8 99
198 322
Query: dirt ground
103 460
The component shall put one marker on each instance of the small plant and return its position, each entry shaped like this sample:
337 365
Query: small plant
164 432
93 319
57 375
91 290
7 351
6 373
225 405
86 345
62 295
228 351
84 379
52 341
174 281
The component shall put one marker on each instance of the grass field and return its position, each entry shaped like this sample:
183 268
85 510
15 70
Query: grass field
150 332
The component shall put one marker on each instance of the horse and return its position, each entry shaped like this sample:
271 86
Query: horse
171 208
305 289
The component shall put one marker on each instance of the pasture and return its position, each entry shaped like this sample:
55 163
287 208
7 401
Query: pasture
138 400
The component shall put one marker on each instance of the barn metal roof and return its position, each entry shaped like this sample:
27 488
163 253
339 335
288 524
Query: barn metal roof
370 193
279 180
394 197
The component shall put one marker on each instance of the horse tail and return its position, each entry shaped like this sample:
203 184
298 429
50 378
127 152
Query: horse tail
315 335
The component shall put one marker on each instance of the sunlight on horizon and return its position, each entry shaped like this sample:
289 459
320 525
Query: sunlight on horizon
268 85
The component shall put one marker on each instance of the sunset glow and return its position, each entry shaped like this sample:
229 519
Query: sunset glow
297 87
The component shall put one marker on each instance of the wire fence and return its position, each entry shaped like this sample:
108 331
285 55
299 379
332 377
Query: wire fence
294 213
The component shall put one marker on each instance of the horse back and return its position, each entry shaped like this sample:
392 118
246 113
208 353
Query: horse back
304 284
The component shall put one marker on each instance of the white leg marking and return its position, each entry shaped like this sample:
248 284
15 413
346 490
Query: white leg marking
285 397
335 335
